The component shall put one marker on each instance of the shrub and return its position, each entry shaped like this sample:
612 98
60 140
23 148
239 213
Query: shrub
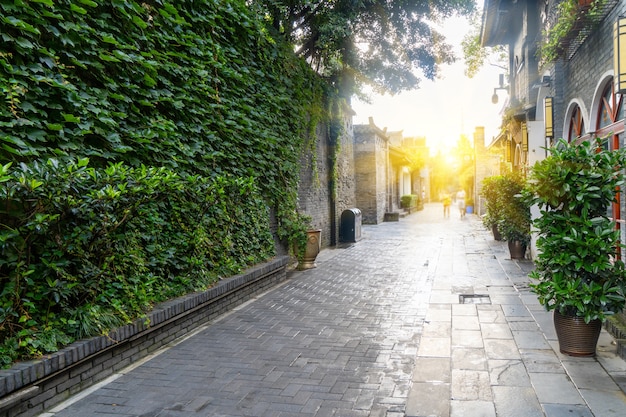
85 249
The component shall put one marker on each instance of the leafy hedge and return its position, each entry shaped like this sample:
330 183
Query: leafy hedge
193 117
85 249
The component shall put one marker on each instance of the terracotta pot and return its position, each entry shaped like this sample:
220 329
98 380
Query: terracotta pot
517 249
313 246
576 338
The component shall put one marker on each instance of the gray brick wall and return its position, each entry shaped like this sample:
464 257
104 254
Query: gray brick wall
372 171
315 195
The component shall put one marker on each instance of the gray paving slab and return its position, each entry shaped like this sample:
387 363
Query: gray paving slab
422 317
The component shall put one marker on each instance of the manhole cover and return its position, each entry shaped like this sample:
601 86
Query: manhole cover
474 299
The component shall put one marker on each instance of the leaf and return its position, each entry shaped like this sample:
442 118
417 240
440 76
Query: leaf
89 3
149 81
139 22
108 58
77 9
110 39
25 43
70 118
20 24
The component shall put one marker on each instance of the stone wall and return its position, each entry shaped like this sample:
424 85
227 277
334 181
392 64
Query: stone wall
315 190
371 171
30 388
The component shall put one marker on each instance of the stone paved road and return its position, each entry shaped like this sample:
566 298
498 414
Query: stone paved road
377 330
338 340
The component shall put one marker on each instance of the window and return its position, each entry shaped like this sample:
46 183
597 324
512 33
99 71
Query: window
576 124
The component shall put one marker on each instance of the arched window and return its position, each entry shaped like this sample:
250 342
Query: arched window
576 124
610 125
610 112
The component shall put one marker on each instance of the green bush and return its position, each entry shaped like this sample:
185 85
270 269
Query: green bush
579 267
409 200
85 249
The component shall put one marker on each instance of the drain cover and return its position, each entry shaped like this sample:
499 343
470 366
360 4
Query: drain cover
474 299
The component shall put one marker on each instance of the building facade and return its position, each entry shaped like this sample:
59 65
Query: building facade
562 77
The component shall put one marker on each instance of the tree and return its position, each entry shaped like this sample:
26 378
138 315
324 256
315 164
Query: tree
476 56
367 42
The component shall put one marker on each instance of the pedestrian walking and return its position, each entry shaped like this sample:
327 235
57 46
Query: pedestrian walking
447 201
460 201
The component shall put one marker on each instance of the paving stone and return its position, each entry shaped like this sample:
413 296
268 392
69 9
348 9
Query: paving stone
434 347
566 410
428 399
510 373
467 338
469 359
428 369
516 402
501 349
472 408
496 331
555 388
468 385
530 339
465 323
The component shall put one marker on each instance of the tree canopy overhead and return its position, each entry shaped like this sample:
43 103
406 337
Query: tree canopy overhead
382 43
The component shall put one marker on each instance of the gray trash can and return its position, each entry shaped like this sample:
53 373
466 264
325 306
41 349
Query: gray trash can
350 225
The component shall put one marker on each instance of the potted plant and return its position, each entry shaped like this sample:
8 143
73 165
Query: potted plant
304 240
579 272
514 217
493 212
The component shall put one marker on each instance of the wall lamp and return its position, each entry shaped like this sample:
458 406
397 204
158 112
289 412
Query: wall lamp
494 97
548 118
619 55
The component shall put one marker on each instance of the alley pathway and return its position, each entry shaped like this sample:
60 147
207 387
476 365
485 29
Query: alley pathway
422 317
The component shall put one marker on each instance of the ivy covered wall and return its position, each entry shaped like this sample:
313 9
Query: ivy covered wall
131 134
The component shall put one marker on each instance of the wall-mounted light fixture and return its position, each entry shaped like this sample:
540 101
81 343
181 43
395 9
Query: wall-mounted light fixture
619 55
545 81
548 117
494 97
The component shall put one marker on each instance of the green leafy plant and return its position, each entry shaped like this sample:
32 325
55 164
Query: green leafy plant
409 200
193 117
83 249
514 223
493 204
506 210
579 270
571 20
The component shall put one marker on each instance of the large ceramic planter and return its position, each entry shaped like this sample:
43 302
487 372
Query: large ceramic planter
313 246
517 249
576 338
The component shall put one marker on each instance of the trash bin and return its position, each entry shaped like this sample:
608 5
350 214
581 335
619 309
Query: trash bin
350 225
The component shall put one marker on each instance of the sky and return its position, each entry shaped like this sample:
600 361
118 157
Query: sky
444 109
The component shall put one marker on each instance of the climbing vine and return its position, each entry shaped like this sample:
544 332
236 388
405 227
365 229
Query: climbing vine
203 93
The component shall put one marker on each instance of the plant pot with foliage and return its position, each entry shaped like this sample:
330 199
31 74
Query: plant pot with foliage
513 213
579 272
493 210
303 239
